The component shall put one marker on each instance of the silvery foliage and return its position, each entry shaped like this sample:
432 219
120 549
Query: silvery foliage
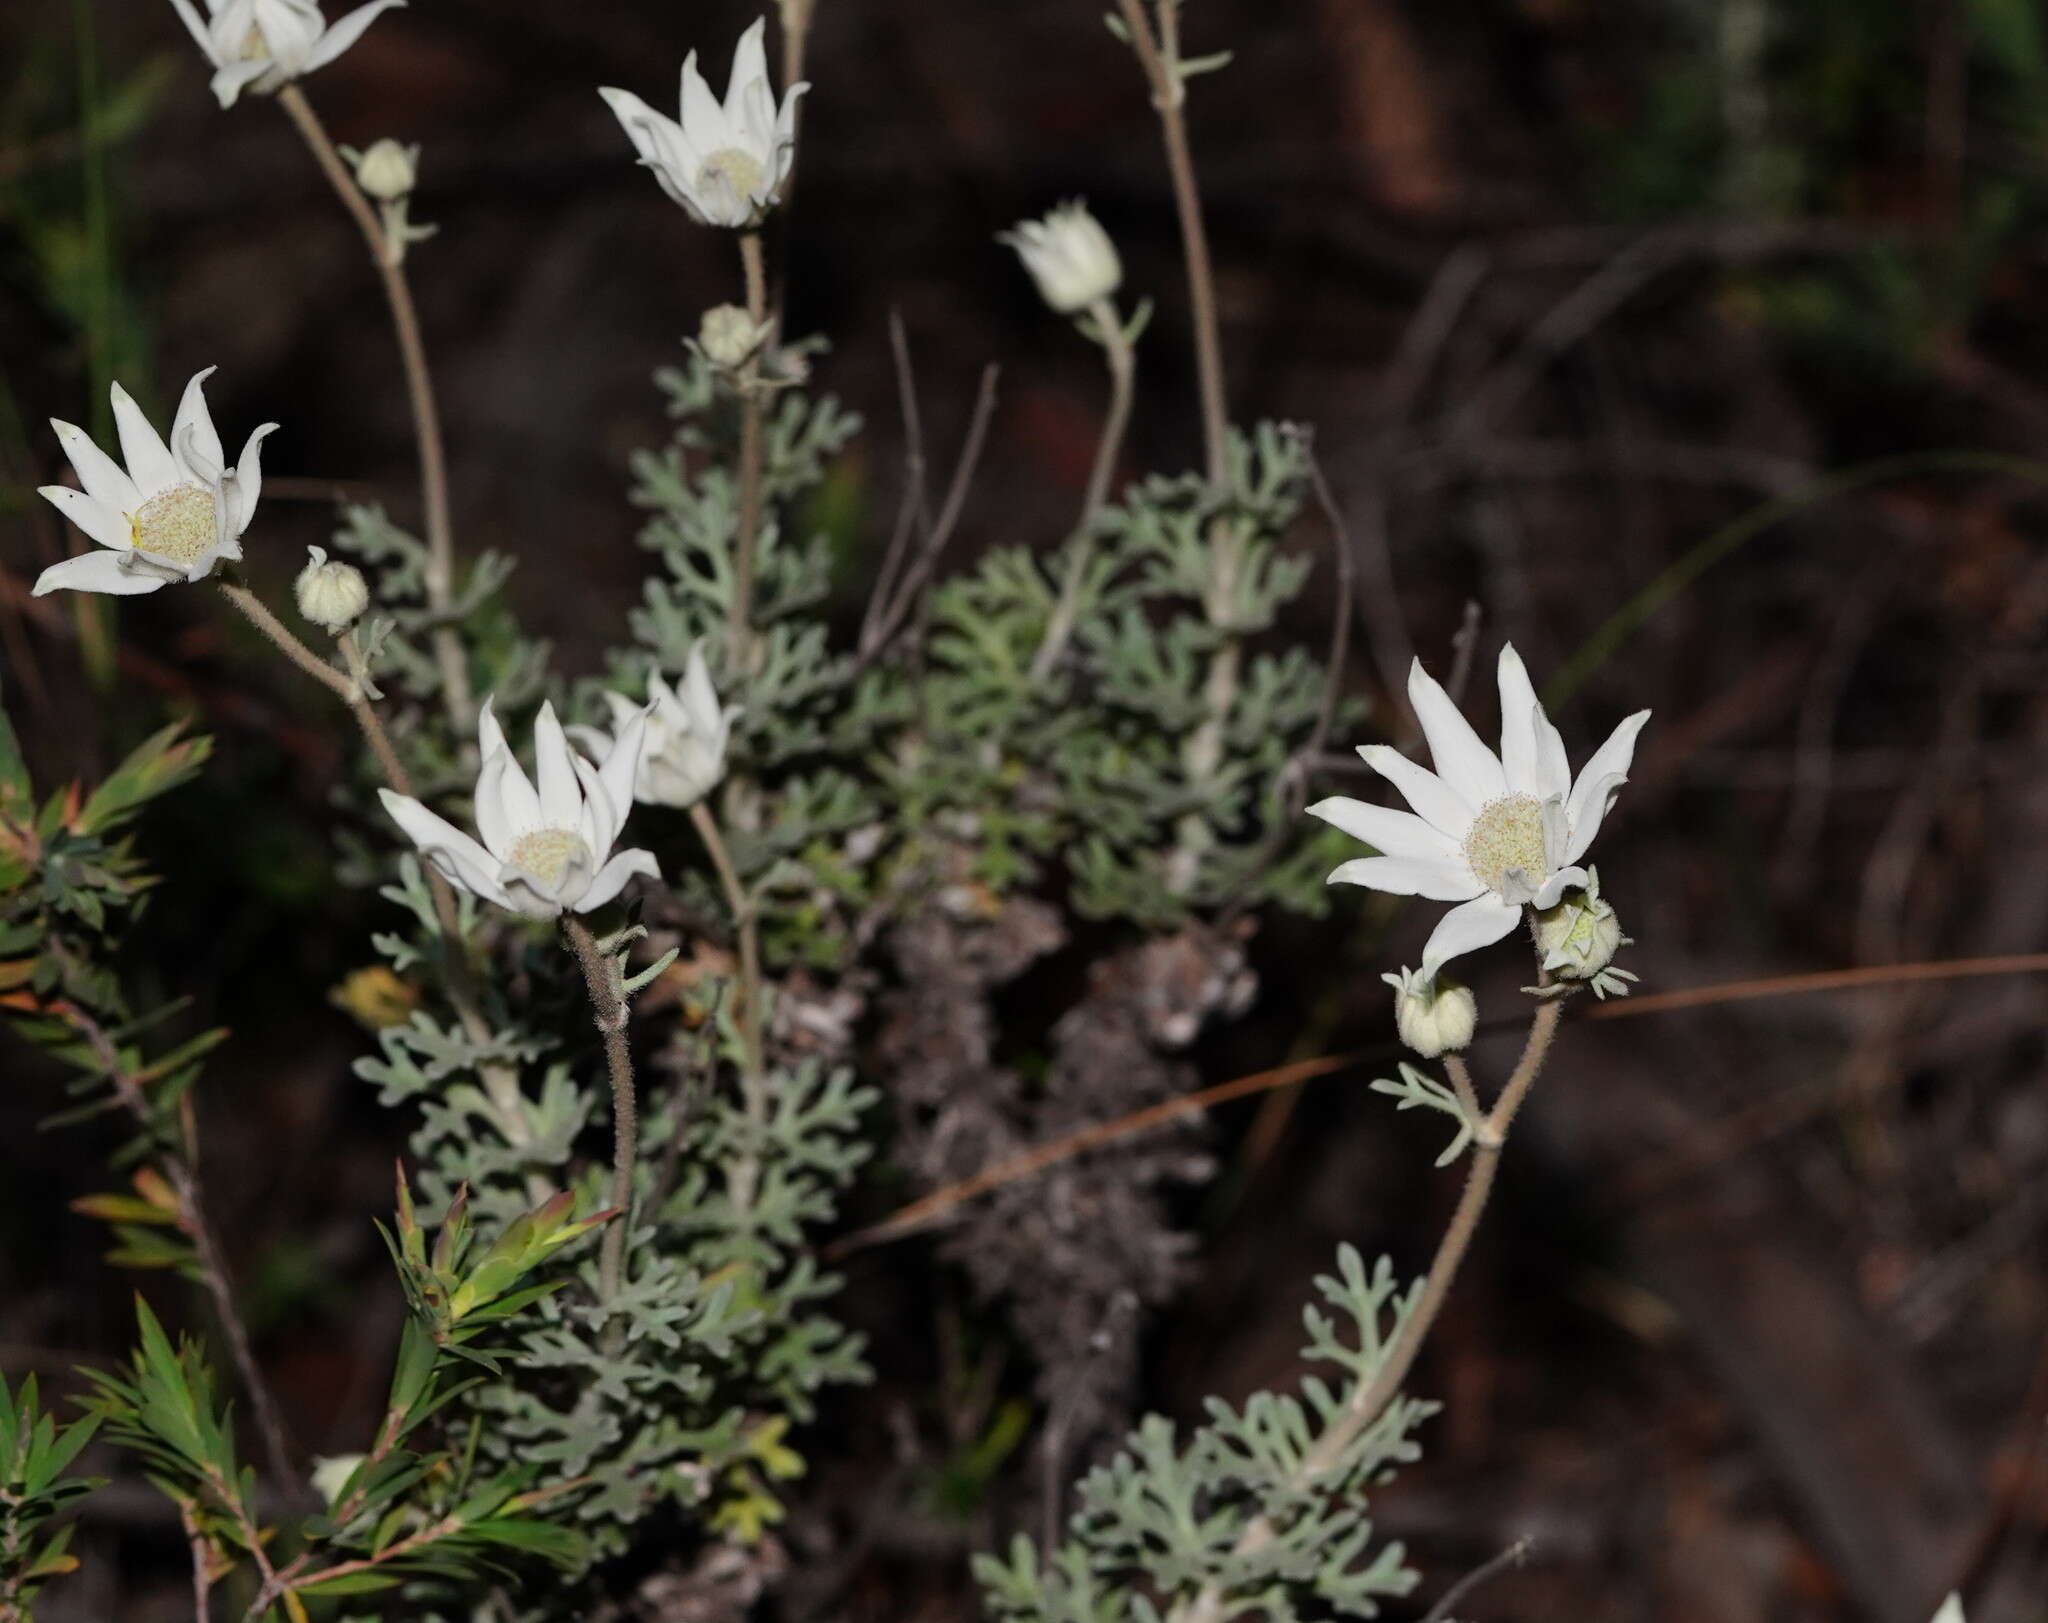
1235 1511
678 1392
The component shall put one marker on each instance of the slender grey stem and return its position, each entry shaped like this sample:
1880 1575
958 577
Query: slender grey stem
608 1008
753 435
1366 1405
1159 55
1123 372
753 1034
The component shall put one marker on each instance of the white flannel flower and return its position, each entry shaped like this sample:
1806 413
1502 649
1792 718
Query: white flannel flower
265 44
1069 256
173 513
687 732
724 163
1951 1610
1497 833
544 851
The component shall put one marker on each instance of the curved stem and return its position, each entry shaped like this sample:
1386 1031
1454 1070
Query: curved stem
1159 54
1123 372
389 258
1366 1405
754 1053
608 1006
753 412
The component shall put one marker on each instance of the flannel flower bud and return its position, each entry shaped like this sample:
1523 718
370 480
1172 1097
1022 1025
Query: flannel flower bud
1433 1017
388 170
331 594
728 336
1069 256
1577 939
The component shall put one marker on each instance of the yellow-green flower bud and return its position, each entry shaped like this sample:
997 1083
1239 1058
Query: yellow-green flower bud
388 170
1578 938
728 336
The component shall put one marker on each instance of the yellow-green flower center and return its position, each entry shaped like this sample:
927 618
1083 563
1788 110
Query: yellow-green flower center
547 852
1507 834
180 526
741 171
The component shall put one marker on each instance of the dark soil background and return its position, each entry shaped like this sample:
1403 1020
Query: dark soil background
1572 291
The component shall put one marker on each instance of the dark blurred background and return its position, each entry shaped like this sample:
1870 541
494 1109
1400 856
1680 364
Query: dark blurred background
1573 293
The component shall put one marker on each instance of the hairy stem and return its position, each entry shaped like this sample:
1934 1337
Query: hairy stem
753 1040
753 434
608 1007
1123 372
1159 55
1372 1398
389 258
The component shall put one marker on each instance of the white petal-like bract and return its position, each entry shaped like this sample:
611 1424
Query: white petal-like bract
1495 833
265 44
724 162
172 514
1069 256
545 851
687 734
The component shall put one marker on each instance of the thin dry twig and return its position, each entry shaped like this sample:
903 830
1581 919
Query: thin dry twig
913 512
926 1212
1513 1556
919 572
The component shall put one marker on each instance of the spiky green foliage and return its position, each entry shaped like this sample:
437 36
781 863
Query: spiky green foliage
36 1455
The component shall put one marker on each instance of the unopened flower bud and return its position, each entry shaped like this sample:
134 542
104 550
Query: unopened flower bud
728 336
1577 939
1069 256
331 593
388 170
1433 1018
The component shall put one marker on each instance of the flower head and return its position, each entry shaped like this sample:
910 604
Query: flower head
173 513
1069 256
729 337
331 592
544 851
265 44
1433 1017
386 170
1496 833
725 163
687 732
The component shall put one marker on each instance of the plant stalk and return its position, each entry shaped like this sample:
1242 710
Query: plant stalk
1372 1398
1123 373
1159 55
608 1007
389 258
753 1039
753 435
